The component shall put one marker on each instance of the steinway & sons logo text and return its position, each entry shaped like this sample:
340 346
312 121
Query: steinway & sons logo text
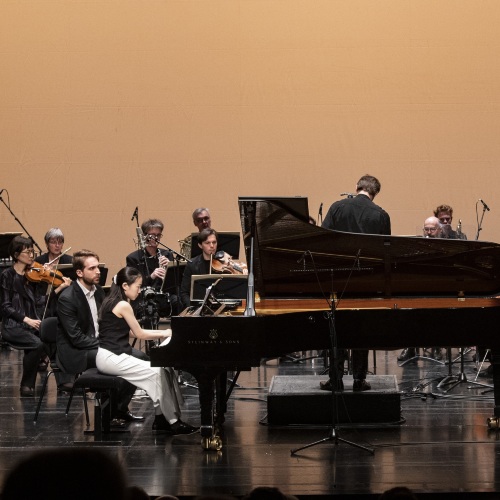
213 337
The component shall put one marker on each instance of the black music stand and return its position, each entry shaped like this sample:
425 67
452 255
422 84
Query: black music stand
5 239
230 287
337 385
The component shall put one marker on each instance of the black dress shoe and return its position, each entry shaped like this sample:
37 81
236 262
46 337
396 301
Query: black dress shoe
161 426
327 385
360 385
27 392
128 417
181 427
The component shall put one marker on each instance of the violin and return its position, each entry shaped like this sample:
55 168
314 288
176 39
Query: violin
222 262
37 274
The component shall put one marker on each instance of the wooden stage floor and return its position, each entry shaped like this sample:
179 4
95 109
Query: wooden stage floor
442 448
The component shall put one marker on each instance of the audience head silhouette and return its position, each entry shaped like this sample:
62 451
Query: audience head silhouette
399 492
66 473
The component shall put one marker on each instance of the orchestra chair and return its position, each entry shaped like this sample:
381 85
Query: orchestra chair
48 335
105 388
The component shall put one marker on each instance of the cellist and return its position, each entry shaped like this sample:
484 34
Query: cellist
22 310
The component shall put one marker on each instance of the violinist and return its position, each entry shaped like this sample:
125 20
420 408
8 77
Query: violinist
22 311
54 240
201 264
210 261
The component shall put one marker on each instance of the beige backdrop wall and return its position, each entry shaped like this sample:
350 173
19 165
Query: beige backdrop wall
169 105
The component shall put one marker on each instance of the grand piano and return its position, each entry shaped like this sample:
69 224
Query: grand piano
379 292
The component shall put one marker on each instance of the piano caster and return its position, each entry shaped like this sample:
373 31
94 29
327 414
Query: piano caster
493 423
212 443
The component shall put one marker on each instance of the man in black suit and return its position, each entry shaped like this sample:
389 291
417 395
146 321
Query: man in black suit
77 338
152 263
356 214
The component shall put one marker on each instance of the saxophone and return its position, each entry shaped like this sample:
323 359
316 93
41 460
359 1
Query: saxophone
459 229
185 246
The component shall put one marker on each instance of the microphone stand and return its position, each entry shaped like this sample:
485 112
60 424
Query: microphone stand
19 222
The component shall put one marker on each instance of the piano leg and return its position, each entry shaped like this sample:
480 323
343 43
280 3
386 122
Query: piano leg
210 439
220 399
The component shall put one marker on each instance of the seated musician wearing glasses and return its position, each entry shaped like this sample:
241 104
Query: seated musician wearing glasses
54 240
432 229
22 307
152 261
201 219
445 215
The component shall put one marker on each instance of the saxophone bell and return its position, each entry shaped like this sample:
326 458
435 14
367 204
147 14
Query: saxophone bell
185 246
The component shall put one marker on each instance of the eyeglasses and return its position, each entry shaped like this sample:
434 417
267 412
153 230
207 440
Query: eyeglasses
153 237
31 253
202 219
444 220
430 229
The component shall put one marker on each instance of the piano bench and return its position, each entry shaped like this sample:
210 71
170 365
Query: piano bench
106 388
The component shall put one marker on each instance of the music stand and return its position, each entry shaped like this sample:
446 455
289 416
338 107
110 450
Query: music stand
337 384
5 239
230 287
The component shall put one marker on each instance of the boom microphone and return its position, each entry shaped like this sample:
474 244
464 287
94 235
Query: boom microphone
349 195
134 215
484 205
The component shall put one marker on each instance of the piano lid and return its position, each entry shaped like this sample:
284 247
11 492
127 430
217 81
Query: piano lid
293 258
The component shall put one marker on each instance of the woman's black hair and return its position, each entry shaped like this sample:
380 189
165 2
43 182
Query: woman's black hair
127 275
18 244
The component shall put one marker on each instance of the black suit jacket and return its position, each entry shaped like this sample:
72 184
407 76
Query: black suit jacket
197 266
76 334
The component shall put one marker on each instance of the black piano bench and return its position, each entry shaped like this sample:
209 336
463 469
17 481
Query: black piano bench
105 388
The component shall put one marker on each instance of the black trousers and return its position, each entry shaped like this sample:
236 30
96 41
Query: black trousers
359 363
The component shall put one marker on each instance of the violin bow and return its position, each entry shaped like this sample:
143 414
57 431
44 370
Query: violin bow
59 256
52 284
